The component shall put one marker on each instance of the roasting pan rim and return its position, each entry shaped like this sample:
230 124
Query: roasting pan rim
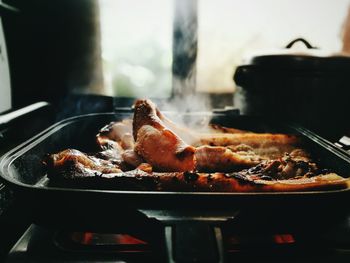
7 160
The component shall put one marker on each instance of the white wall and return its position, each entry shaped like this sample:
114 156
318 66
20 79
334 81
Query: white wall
5 88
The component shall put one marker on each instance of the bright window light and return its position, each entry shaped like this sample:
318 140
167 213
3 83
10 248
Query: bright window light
136 42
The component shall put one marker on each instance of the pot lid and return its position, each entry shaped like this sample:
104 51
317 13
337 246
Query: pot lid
310 58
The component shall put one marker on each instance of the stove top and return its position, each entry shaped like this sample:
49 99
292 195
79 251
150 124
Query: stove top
180 237
172 243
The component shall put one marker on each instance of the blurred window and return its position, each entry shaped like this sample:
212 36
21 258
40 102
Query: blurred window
137 38
136 42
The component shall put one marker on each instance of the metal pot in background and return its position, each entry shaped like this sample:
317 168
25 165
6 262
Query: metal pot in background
310 88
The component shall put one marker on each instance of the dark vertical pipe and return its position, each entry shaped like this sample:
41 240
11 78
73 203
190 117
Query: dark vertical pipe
184 47
85 73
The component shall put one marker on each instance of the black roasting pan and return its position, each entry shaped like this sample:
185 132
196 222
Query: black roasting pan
22 169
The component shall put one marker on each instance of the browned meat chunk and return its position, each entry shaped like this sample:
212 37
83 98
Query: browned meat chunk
72 167
71 162
223 159
116 142
156 144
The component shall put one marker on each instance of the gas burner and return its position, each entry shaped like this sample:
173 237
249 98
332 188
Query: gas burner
214 238
42 244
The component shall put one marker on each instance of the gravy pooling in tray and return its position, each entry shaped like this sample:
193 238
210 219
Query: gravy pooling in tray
150 152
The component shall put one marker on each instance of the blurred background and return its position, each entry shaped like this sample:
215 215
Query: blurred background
154 48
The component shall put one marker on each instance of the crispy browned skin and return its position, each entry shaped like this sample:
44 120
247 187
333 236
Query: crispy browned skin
73 162
255 140
117 143
266 145
224 159
156 144
75 168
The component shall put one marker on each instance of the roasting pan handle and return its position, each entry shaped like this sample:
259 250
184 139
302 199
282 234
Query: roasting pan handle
6 9
9 118
193 241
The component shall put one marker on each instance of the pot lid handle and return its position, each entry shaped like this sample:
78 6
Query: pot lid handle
306 43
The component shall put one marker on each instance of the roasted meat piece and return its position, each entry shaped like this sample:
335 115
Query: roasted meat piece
74 168
224 159
267 145
161 143
295 165
158 145
117 143
72 163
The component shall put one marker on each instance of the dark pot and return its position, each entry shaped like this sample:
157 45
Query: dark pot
309 89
